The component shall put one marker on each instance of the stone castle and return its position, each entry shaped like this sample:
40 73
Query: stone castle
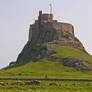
45 34
51 27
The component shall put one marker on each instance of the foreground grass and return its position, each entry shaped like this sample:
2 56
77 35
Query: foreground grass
66 86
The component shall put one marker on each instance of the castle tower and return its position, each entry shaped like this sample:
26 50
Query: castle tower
44 18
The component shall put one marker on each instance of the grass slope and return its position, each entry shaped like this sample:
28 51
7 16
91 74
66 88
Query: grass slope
54 69
65 51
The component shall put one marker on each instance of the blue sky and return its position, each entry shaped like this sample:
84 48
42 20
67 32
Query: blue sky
17 15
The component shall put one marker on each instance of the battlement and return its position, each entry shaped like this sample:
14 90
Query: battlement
45 17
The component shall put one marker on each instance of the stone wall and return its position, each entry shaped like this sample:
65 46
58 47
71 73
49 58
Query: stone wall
55 31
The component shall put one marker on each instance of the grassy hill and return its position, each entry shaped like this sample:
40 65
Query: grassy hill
53 67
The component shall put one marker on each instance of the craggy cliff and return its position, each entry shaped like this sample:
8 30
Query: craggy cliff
44 35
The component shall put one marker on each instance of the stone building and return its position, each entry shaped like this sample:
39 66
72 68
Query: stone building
46 24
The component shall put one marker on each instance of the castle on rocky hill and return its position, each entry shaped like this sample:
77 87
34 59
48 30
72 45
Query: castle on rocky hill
45 34
46 23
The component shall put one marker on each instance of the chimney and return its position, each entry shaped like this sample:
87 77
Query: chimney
40 13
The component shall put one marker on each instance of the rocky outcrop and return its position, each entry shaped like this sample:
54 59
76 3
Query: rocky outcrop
33 82
12 63
73 62
44 35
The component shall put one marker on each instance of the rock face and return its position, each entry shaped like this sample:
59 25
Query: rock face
73 62
44 35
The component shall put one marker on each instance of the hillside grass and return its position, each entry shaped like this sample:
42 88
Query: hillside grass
66 51
53 69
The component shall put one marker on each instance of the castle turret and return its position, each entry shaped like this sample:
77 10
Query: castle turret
45 17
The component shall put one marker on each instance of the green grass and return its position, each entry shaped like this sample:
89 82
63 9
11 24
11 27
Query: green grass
54 69
66 51
66 86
